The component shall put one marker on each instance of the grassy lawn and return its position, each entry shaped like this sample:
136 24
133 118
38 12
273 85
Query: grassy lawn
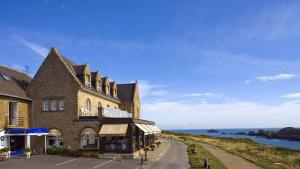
264 156
196 159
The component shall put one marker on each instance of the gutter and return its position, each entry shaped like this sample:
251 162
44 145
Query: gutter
15 96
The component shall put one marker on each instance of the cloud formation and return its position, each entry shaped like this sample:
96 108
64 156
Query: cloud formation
281 76
291 96
38 49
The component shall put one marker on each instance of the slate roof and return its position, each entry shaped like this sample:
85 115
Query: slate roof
77 70
125 92
16 86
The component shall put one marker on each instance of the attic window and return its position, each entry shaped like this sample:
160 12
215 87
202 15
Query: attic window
5 77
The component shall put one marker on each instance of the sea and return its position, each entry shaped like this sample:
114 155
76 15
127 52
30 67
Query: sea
231 133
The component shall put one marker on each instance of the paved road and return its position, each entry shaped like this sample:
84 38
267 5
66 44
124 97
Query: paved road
229 160
175 158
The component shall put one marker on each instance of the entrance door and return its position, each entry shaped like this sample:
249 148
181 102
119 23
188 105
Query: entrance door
17 144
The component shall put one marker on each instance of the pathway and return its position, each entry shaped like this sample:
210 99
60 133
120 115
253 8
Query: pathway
229 160
175 158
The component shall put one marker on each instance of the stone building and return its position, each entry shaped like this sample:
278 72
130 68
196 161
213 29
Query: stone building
83 110
15 109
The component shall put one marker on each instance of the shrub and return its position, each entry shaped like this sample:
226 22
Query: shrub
55 150
5 150
152 147
158 143
146 149
27 149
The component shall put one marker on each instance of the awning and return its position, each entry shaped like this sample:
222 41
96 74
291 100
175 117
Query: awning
29 131
55 133
16 131
143 128
157 129
38 131
113 130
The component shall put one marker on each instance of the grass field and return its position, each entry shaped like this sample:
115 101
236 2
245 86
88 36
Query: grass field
264 156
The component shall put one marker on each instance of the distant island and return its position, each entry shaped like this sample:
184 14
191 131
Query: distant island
288 133
212 131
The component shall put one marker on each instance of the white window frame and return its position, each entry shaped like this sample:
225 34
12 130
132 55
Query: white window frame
61 104
45 105
53 105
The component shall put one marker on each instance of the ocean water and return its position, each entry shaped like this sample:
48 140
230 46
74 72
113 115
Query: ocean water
231 133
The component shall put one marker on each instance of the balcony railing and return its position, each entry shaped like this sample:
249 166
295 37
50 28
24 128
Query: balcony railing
107 112
14 121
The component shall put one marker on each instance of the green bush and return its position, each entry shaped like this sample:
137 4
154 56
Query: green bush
146 149
5 150
152 147
27 149
77 153
55 150
158 143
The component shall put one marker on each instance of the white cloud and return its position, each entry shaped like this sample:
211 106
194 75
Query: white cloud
159 92
282 76
207 94
38 49
148 89
291 95
180 114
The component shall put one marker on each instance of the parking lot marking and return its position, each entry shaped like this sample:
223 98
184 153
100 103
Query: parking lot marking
103 164
67 161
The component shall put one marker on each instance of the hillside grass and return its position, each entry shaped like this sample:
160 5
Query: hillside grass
262 155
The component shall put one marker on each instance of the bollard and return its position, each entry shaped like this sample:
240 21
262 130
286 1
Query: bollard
142 160
205 163
146 156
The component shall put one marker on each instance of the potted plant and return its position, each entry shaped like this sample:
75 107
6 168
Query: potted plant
28 152
158 143
146 150
152 147
6 150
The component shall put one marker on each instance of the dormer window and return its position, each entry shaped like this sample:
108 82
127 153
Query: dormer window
98 85
87 80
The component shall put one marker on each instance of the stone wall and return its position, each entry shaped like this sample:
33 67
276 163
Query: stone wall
23 107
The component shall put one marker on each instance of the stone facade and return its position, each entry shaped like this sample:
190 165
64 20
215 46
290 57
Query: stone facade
24 108
58 79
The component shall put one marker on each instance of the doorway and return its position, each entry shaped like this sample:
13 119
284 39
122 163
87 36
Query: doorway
17 145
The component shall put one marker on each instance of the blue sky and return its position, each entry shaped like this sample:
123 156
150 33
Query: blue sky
200 64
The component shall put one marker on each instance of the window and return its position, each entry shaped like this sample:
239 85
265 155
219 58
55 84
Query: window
89 139
88 106
61 104
6 77
88 80
55 138
2 140
45 105
98 107
53 105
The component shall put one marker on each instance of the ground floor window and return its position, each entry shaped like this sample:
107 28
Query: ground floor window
89 139
55 138
116 144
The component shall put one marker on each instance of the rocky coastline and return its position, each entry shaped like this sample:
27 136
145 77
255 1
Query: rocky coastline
287 133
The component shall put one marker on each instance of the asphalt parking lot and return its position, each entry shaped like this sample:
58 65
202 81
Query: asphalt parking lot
62 162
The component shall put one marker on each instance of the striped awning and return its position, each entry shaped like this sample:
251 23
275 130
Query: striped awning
148 129
113 130
143 128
